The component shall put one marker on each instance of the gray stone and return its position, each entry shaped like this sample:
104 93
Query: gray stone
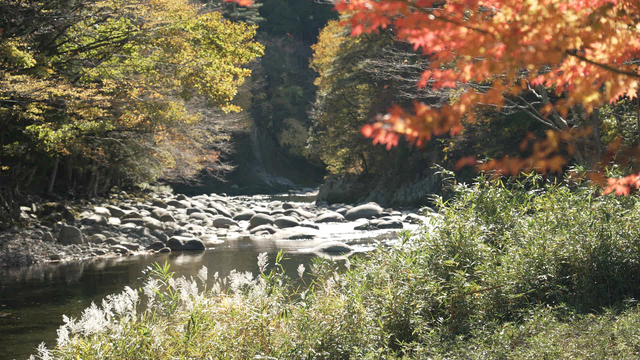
286 222
328 217
131 215
184 243
182 197
366 211
194 210
390 224
112 241
297 233
263 228
134 221
119 249
260 219
115 211
301 213
220 209
164 250
245 214
152 224
178 204
131 246
55 257
48 237
333 248
102 211
167 218
70 235
99 252
160 204
198 216
95 219
288 206
114 221
157 213
97 239
220 221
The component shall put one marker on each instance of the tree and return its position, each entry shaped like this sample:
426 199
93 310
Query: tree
560 60
95 88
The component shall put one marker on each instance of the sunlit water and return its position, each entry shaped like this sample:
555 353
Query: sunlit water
33 300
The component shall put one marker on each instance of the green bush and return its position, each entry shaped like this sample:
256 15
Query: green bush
505 270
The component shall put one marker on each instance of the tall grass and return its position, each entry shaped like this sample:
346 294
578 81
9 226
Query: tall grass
504 270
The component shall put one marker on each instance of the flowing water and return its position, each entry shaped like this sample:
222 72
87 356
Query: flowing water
33 300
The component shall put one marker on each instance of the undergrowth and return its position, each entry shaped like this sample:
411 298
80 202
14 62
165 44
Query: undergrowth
517 270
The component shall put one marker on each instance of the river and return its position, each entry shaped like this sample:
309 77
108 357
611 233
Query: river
33 299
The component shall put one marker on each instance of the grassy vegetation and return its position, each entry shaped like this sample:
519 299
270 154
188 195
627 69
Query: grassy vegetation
505 271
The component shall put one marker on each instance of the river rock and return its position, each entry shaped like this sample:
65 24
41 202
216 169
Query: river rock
366 211
152 224
300 213
178 204
198 216
70 235
159 203
130 246
97 239
114 221
119 249
102 211
112 241
157 213
245 214
164 250
179 243
95 219
333 248
220 221
194 210
220 209
132 221
328 217
132 214
115 211
297 233
265 228
48 237
260 219
390 224
156 246
288 206
286 222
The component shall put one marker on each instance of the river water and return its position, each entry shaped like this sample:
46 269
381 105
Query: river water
33 300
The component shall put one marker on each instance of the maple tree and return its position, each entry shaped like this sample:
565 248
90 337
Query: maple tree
573 56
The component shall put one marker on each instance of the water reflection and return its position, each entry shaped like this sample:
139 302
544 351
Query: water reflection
33 300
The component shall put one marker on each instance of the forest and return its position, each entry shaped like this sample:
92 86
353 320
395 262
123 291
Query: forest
506 130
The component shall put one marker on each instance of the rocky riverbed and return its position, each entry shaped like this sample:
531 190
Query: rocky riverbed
163 222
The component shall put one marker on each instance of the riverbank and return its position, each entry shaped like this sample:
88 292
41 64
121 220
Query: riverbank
506 271
128 224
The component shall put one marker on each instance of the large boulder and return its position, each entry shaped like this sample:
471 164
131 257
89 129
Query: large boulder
366 211
178 243
260 219
70 235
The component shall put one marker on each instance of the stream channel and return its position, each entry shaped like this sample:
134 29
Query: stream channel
34 299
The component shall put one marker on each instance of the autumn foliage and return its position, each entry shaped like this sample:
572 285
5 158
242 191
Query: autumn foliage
494 50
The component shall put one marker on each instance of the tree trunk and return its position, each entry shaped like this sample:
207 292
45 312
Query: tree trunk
52 180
